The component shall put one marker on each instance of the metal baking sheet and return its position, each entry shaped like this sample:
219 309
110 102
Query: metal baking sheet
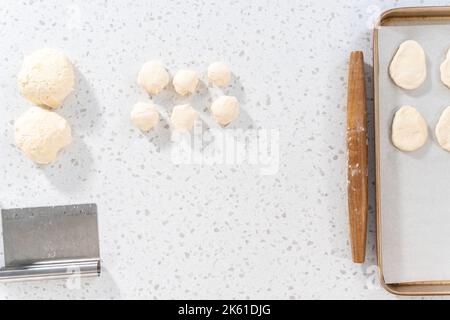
414 187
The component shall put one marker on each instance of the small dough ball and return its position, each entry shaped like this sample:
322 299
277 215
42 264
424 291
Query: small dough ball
225 109
183 117
408 68
144 116
46 77
41 134
219 74
153 77
443 130
445 70
185 82
409 129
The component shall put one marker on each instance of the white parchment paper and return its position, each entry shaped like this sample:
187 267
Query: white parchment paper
415 187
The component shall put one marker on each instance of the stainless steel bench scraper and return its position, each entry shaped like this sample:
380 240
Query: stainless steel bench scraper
50 242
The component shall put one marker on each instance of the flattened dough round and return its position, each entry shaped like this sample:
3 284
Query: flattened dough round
409 129
445 70
408 68
41 134
46 77
442 130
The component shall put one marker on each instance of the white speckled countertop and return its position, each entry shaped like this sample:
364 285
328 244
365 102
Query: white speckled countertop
197 231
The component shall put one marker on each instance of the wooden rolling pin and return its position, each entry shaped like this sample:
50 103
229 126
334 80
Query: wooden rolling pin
357 156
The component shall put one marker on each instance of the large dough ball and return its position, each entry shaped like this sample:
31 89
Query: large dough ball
153 77
47 77
409 129
225 109
185 82
219 74
443 130
408 68
41 133
144 116
183 117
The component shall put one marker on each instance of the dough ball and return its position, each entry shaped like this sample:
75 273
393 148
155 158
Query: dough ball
183 117
443 130
225 109
144 116
153 77
41 134
409 129
408 68
445 70
185 82
219 74
46 77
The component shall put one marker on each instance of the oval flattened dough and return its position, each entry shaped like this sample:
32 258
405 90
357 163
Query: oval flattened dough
408 68
409 129
442 130
445 70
